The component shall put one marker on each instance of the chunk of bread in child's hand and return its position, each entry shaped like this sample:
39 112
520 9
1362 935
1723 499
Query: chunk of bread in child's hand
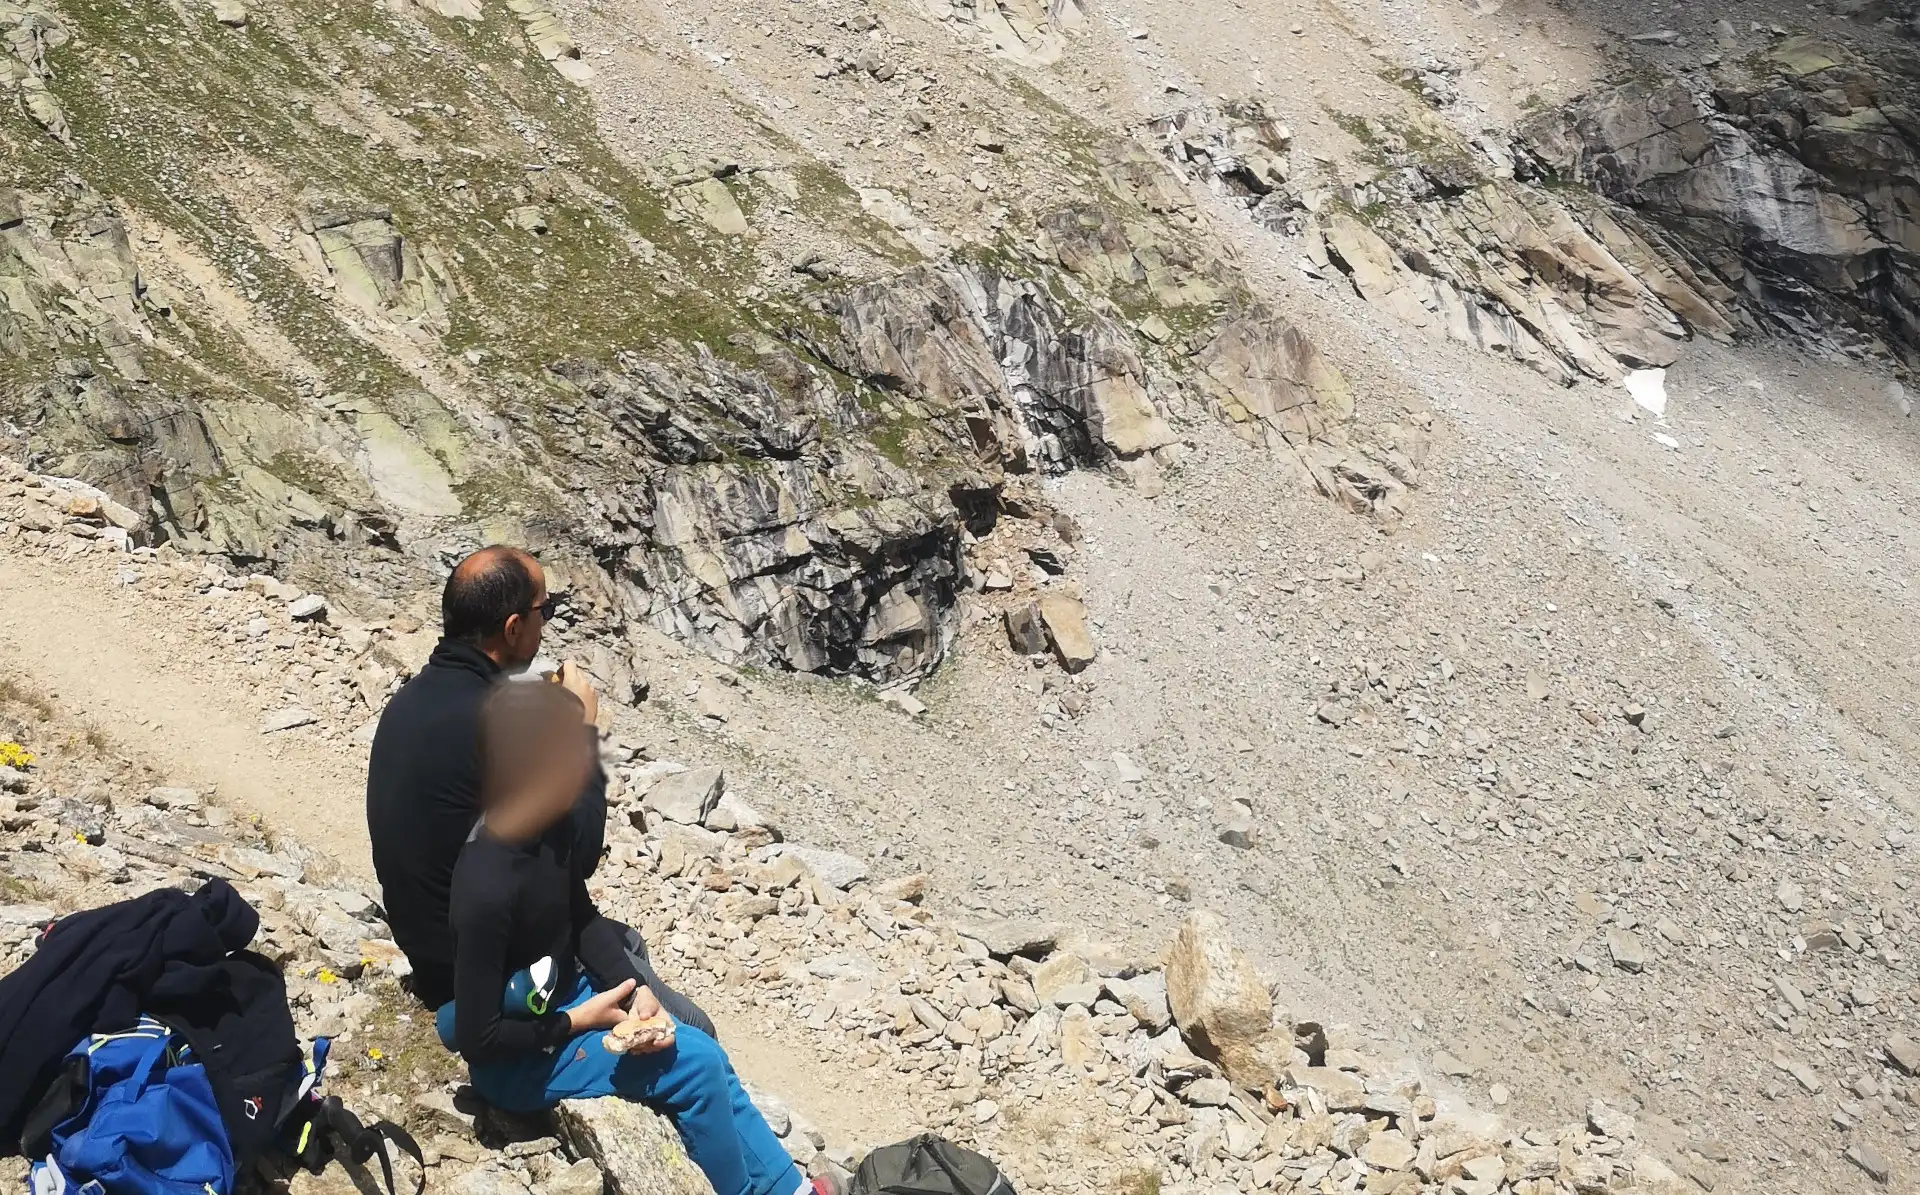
637 1034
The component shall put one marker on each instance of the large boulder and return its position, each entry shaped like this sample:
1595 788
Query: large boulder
1004 937
686 797
1221 1006
376 268
835 868
1066 623
636 1147
1026 634
710 200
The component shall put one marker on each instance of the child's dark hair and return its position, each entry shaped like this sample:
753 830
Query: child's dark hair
523 727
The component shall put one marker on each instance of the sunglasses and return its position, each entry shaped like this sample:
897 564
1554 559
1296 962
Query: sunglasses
547 607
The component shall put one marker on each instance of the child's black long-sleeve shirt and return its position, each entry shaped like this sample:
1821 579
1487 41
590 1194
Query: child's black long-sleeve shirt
513 904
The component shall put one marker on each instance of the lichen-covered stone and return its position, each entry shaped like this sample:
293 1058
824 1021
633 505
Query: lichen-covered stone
638 1150
376 268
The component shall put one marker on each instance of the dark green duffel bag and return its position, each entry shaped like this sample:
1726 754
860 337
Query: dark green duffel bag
928 1165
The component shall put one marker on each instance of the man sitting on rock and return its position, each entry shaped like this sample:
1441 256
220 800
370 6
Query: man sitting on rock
423 780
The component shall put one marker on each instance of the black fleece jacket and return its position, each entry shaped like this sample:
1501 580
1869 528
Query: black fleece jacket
423 797
96 972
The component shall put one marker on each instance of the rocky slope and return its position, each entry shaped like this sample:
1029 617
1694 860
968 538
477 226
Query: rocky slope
1180 1073
1260 367
335 314
308 285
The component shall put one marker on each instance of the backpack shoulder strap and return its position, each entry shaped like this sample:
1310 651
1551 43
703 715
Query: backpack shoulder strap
331 1122
63 1099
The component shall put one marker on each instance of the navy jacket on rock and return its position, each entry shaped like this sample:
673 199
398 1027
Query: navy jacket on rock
96 971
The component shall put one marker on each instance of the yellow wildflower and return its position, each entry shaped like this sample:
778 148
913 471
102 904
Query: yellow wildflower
13 755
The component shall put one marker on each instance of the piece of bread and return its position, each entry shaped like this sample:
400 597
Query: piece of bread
640 1034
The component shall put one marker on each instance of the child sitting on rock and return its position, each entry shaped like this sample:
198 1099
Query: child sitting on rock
525 1014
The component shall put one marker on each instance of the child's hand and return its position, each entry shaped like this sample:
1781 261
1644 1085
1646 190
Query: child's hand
604 1011
645 1030
645 1006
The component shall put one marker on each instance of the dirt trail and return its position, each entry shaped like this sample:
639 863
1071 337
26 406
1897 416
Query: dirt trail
122 663
128 666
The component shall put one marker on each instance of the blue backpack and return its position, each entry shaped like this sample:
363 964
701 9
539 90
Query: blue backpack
136 1113
145 1121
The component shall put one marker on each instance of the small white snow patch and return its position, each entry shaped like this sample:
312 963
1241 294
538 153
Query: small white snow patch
1649 389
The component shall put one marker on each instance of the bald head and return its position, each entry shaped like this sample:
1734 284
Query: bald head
492 601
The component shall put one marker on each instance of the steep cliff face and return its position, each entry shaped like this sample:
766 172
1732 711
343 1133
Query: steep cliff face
1439 232
1772 187
807 510
1771 190
754 518
1794 181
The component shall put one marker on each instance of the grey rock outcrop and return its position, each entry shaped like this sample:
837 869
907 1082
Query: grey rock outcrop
1265 372
29 31
1033 388
1446 239
1238 150
638 1150
1795 189
1516 272
736 524
68 276
388 367
1128 258
78 310
1028 32
376 268
1268 382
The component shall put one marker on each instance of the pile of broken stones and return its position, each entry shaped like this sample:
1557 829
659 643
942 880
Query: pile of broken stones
1186 1069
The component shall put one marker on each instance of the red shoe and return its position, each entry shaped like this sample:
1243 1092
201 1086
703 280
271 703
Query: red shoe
828 1184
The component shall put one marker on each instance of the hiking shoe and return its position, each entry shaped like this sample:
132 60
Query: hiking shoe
828 1184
